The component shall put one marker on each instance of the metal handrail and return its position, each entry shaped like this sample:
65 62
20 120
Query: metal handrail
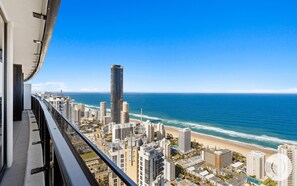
119 172
67 163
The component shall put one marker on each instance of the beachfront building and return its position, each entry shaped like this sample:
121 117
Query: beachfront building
97 114
68 107
160 131
57 102
291 152
102 111
218 158
184 140
125 113
64 104
150 165
149 131
255 164
86 114
82 109
71 111
77 117
116 86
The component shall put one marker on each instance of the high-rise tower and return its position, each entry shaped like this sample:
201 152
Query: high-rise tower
291 152
184 140
116 87
102 111
125 113
256 164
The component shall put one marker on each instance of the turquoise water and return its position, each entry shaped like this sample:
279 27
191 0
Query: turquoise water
262 119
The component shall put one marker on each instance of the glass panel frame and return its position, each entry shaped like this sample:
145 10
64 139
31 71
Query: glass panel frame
3 73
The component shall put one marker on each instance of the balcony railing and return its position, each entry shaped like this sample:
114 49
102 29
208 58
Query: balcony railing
70 158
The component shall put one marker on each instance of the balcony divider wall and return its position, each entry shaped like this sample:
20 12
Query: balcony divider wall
18 85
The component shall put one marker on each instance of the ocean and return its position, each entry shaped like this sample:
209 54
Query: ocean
267 120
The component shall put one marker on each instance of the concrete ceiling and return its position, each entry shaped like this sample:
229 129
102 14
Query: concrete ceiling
26 28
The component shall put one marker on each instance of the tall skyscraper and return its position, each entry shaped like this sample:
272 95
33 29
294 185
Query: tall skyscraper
116 93
291 152
125 113
256 164
184 140
102 111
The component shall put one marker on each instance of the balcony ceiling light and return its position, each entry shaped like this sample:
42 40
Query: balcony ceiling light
37 41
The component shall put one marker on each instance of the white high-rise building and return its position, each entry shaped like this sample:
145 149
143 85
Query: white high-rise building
169 170
149 131
184 140
106 120
97 115
291 152
77 117
58 102
160 131
86 114
68 108
166 147
125 106
121 131
255 165
117 155
82 109
71 111
102 111
125 113
150 165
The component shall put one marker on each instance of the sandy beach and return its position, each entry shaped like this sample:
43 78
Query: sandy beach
212 142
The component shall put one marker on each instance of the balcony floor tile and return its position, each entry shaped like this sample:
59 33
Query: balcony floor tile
14 176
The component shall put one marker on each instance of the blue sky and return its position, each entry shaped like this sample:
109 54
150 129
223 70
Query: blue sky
173 46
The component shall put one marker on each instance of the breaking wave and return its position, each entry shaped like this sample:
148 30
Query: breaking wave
198 126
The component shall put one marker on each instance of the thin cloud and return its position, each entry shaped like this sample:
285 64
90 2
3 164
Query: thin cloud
49 87
89 90
270 91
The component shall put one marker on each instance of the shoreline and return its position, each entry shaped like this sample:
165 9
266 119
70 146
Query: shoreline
218 142
215 141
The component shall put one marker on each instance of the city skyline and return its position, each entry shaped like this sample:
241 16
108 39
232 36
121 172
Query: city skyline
199 46
193 107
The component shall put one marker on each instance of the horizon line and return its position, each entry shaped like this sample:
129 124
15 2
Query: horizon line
104 92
